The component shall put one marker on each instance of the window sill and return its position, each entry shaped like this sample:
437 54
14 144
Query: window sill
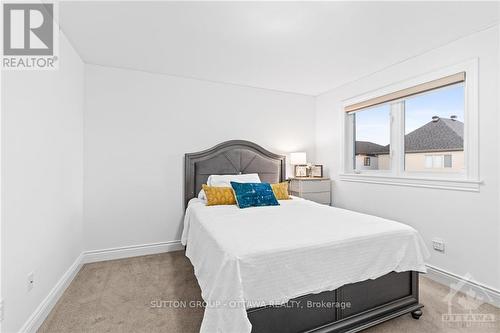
426 182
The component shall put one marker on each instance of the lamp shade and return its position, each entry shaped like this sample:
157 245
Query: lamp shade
298 158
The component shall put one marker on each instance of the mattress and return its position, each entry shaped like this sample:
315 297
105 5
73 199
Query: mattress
252 257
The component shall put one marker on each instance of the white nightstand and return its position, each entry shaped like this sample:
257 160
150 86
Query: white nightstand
314 189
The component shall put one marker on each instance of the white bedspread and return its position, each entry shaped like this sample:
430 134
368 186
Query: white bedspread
252 257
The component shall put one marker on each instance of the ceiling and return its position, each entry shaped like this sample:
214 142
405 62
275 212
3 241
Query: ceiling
301 47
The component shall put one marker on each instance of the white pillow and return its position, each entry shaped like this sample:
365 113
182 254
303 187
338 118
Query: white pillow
225 180
202 196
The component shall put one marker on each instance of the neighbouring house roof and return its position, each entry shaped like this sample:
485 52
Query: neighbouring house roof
370 148
441 135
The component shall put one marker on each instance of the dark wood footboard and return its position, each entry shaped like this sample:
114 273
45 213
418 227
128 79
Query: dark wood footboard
351 308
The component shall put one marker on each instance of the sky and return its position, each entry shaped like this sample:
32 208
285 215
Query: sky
374 124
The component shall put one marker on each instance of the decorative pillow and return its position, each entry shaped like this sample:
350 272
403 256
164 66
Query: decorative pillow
254 194
219 195
225 180
281 191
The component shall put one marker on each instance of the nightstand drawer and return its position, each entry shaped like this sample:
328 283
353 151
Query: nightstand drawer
319 197
310 186
317 190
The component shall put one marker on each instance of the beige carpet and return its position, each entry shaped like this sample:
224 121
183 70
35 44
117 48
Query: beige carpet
131 295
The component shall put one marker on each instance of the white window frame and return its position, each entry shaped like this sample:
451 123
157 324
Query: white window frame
465 181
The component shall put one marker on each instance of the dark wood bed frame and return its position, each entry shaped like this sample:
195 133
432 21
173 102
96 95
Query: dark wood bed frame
350 308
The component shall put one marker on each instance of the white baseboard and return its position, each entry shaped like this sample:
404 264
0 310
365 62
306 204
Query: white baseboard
42 311
131 251
488 294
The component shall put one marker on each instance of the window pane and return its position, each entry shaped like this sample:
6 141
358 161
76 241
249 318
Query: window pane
434 130
438 162
447 161
428 162
372 136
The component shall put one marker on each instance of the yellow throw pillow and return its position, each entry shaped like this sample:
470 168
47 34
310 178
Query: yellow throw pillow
281 191
219 195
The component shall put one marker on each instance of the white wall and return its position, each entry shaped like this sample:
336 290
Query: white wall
498 153
42 176
138 126
468 222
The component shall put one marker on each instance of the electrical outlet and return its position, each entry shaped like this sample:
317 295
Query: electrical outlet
438 244
31 281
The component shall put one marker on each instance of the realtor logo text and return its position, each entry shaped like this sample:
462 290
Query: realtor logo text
29 38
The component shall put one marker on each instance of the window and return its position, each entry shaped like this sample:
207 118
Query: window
425 133
438 161
434 123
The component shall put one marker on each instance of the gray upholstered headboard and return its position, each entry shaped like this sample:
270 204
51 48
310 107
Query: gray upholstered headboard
231 158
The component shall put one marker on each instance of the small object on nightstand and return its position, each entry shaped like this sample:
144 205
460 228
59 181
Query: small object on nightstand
316 171
314 189
301 170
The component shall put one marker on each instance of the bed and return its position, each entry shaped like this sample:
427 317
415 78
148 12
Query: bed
297 267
